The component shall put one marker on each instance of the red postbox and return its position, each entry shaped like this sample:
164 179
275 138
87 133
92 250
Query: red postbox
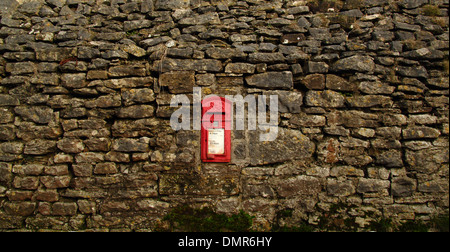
216 130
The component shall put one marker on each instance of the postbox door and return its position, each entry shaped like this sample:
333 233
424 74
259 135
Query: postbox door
216 137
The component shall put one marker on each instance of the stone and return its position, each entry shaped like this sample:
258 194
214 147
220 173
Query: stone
20 208
68 145
327 98
414 72
412 4
240 68
271 80
340 188
55 182
154 41
39 147
142 95
356 63
372 185
337 83
288 101
367 101
127 82
375 88
64 208
136 24
136 111
77 80
305 120
82 170
55 54
106 101
85 52
126 70
243 38
225 53
314 81
37 114
134 50
403 187
211 18
352 119
300 185
208 65
424 53
420 132
389 159
129 145
266 58
8 100
317 67
427 161
115 54
171 4
290 144
5 173
20 68
105 168
178 82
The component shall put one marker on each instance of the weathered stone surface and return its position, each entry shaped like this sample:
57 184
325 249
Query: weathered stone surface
271 80
85 137
340 188
105 168
390 158
130 145
224 53
420 132
127 70
367 101
240 68
355 63
37 114
64 208
106 101
8 100
426 161
20 68
403 187
352 119
68 145
376 88
5 172
300 185
290 144
167 65
304 120
178 82
39 147
55 54
314 81
415 72
142 95
266 58
77 80
372 185
136 111
211 18
288 101
411 4
55 182
20 208
325 98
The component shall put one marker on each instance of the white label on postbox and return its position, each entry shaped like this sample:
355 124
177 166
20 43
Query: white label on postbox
216 141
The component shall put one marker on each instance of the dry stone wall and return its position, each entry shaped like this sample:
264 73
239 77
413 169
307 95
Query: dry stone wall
86 85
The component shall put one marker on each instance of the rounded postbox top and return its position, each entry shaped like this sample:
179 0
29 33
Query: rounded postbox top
216 104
